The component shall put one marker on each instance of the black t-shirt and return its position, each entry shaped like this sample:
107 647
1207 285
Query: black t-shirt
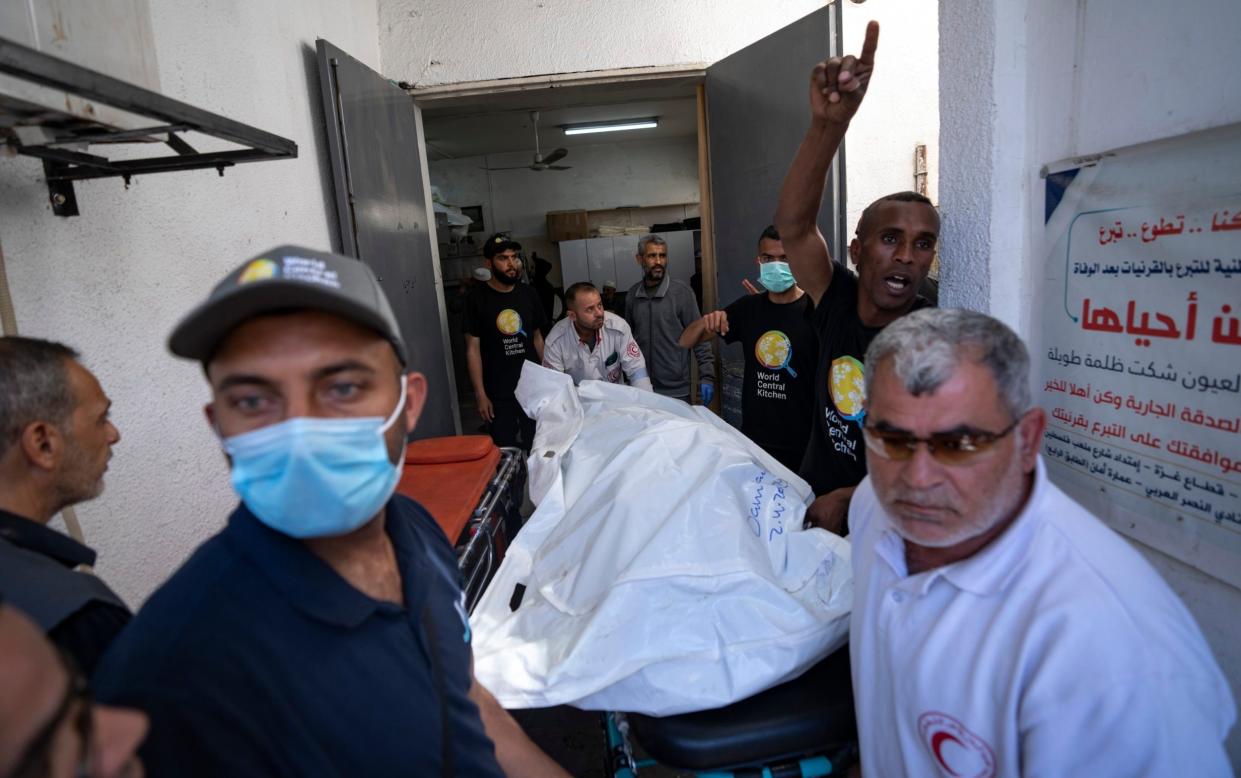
835 456
781 353
504 323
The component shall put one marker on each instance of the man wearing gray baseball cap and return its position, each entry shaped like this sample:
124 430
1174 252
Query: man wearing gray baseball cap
323 631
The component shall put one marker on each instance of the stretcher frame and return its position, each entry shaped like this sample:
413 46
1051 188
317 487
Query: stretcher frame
477 559
623 763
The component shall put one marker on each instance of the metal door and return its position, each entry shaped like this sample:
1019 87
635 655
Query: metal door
382 193
757 114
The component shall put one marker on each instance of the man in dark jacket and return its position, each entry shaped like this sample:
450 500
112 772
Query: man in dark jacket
55 442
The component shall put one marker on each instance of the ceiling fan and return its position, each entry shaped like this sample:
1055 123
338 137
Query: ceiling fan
539 162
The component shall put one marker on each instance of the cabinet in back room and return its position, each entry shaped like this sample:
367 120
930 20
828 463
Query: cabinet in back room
599 260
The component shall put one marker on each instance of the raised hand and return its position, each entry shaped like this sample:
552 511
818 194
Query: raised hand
837 85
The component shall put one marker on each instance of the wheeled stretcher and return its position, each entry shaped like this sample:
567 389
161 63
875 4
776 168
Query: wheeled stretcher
802 728
473 489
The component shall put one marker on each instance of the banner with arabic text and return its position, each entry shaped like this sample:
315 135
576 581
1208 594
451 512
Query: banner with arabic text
1139 360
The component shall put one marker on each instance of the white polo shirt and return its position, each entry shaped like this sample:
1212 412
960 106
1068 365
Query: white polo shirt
615 353
1056 650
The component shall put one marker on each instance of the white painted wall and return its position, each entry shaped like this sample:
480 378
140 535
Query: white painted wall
113 281
603 176
1025 83
902 102
428 42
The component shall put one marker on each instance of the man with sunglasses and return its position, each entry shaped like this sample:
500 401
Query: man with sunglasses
998 628
893 251
49 726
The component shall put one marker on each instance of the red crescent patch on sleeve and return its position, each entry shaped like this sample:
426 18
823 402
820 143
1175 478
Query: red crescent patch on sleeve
969 757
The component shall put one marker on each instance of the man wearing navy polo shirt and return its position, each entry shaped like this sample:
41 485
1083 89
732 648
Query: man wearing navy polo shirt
323 631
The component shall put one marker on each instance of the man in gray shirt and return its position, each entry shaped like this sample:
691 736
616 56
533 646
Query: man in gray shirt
658 310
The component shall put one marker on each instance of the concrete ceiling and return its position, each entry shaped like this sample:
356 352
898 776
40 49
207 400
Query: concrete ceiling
491 124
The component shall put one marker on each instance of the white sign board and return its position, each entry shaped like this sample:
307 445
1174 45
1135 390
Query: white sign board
1139 364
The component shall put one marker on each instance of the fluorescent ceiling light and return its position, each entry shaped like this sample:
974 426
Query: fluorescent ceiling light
626 124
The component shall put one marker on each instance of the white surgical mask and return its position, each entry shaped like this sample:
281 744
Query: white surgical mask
308 477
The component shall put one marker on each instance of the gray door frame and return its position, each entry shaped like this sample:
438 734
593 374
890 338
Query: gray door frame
757 114
401 221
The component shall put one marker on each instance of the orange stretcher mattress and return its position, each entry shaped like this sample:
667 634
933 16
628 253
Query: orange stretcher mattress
449 476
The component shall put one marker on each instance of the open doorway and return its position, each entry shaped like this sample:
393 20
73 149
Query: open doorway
578 218
721 142
705 177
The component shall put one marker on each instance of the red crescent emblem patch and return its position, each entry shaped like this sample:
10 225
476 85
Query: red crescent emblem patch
955 749
632 350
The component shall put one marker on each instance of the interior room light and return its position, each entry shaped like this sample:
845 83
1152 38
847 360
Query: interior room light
624 124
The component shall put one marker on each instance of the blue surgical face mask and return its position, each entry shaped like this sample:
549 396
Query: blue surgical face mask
776 276
312 478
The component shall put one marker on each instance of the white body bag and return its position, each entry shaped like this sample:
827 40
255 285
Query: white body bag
665 569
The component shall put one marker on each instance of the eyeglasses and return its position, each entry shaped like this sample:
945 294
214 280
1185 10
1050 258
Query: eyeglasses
949 448
36 761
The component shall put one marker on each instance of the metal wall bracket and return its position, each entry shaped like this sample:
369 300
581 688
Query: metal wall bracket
63 163
60 192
